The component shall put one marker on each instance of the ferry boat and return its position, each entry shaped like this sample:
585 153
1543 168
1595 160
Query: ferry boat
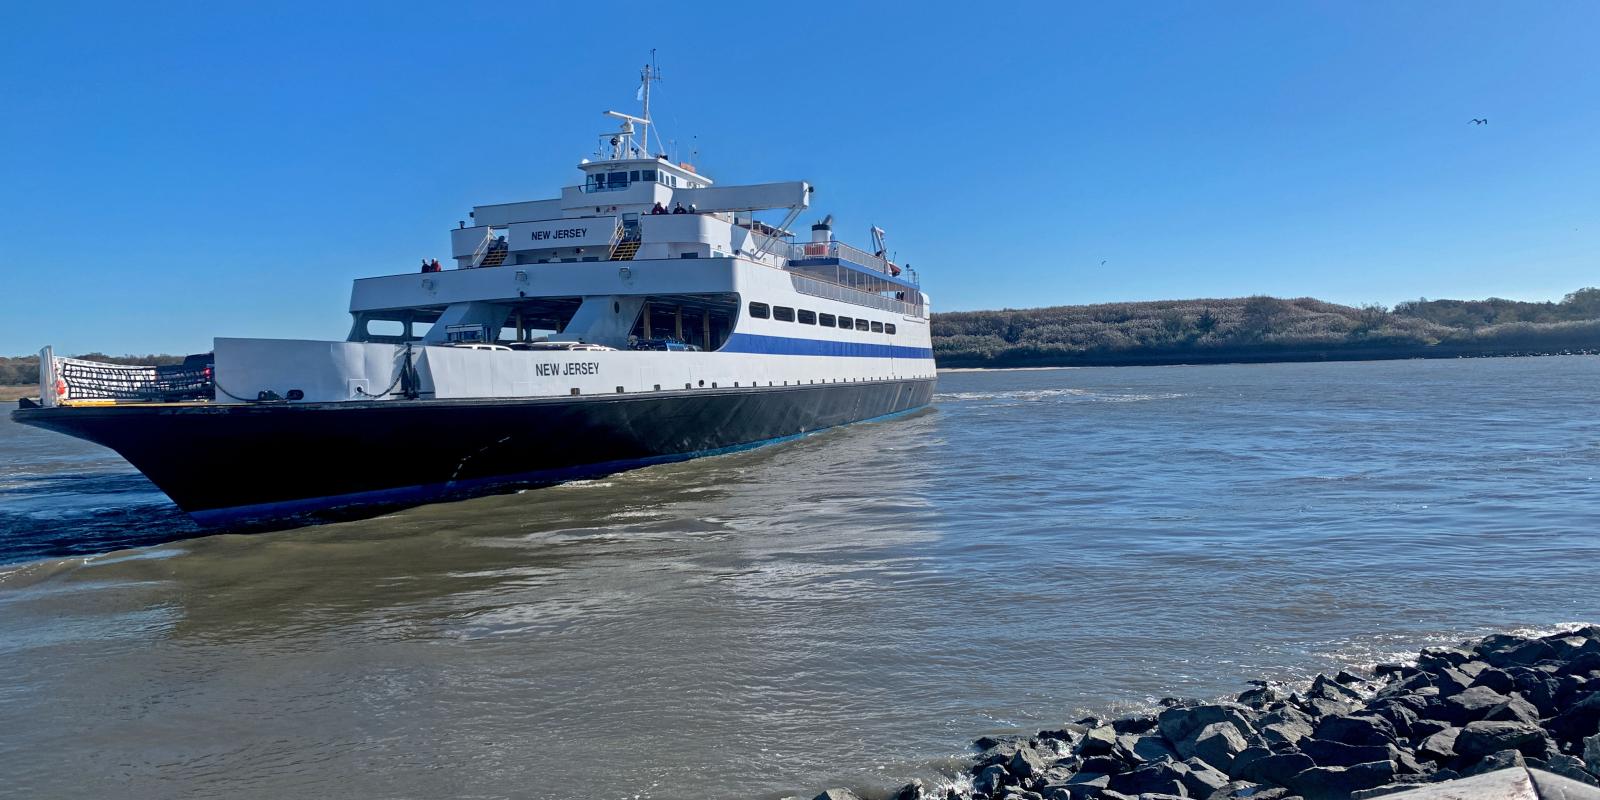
644 315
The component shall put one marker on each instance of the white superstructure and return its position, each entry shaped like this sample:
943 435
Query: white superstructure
645 276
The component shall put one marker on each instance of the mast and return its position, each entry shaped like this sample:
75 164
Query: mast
649 74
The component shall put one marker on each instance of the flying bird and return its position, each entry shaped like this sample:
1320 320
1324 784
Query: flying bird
1477 121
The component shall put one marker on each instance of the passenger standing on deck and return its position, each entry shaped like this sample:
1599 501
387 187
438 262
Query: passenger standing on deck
659 209
678 209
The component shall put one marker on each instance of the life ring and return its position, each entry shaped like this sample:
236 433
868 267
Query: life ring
61 387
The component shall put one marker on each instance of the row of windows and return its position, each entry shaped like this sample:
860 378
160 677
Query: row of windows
804 317
602 181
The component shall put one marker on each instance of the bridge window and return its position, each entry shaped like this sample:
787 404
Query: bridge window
783 313
861 325
648 175
888 327
846 323
617 178
760 311
633 175
877 327
827 320
807 317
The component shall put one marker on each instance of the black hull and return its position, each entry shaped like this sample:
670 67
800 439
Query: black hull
228 463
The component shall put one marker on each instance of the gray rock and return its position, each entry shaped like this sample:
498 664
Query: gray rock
1336 783
1159 796
1379 791
1496 679
1559 787
1407 764
1142 723
1159 777
1348 678
1514 709
1098 741
1522 655
998 750
990 779
1591 753
1180 723
915 790
1320 708
1435 658
1451 681
1274 769
1107 765
1569 767
1265 694
1329 689
1084 785
1470 705
1423 728
1505 759
1028 763
1109 794
1152 748
1579 722
1069 733
1285 733
1480 739
1202 779
1338 754
1401 712
1216 744
1251 754
1356 729
837 794
1538 687
1440 746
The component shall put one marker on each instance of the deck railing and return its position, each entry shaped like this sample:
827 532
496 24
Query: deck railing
805 284
800 251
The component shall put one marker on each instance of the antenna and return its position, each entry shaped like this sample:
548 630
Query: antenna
650 74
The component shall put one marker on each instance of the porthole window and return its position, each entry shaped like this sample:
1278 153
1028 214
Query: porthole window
827 320
877 327
783 313
846 323
861 325
888 327
760 311
806 317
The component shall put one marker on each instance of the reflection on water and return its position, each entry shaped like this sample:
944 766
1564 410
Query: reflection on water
848 608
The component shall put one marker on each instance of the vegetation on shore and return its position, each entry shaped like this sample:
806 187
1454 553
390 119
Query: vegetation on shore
1263 329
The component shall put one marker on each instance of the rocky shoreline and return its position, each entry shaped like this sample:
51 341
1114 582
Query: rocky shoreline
1488 704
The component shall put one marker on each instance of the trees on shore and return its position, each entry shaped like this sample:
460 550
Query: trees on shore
1263 328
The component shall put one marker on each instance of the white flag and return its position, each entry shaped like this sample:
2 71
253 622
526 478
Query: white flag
639 95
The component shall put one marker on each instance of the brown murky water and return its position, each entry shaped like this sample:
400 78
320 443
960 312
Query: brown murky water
851 608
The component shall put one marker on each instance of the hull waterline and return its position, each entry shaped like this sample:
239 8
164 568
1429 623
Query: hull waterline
230 464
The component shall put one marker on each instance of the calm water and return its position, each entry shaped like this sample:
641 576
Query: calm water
851 608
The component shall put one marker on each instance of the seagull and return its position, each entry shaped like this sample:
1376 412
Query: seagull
1477 121
1102 262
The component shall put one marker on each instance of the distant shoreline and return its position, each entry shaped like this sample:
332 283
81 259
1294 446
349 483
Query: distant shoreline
11 394
1232 356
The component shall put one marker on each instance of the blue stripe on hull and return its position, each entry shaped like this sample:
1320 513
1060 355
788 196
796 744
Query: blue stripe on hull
793 346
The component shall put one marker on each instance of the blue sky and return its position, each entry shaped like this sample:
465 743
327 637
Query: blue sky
171 172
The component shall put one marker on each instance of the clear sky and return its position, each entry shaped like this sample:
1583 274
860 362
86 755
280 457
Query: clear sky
171 172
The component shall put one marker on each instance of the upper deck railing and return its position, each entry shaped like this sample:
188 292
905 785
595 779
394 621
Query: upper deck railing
800 251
